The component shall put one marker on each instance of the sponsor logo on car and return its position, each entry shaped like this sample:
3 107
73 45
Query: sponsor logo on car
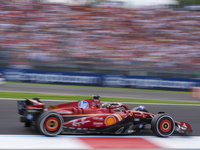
140 126
31 110
53 107
97 124
29 116
138 115
64 112
93 104
110 120
83 104
98 118
83 121
131 131
36 108
137 119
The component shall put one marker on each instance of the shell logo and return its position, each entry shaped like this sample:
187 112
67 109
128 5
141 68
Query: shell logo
110 120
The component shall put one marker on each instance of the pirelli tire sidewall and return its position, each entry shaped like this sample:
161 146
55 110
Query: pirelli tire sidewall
163 125
50 117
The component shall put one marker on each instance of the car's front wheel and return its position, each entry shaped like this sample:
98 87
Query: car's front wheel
50 123
162 125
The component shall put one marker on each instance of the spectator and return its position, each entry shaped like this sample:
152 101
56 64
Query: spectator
46 33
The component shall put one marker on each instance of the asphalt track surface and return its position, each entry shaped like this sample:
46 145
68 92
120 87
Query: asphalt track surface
9 117
103 92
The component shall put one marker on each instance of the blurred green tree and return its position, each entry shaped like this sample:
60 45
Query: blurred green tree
188 2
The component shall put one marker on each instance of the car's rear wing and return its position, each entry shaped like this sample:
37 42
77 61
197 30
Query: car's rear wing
30 109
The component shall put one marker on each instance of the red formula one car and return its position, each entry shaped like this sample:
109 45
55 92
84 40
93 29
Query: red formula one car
92 117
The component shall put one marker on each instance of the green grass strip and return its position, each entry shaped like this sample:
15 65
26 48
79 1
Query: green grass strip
111 88
18 95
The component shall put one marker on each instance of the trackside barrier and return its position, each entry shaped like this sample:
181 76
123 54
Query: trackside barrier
2 81
103 80
195 92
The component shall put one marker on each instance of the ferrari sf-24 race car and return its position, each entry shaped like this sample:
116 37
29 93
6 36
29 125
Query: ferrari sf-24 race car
92 117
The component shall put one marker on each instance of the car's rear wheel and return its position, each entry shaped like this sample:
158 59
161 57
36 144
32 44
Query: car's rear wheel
50 123
162 125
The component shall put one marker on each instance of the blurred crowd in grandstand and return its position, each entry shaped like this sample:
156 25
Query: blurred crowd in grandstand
98 36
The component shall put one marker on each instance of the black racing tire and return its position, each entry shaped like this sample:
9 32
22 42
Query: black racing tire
139 109
162 125
50 123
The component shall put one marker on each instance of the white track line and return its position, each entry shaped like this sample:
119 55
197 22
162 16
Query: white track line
73 142
40 142
179 143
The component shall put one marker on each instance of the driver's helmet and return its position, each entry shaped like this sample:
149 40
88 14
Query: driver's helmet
104 105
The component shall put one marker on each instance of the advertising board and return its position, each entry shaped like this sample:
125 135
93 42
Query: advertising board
104 80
